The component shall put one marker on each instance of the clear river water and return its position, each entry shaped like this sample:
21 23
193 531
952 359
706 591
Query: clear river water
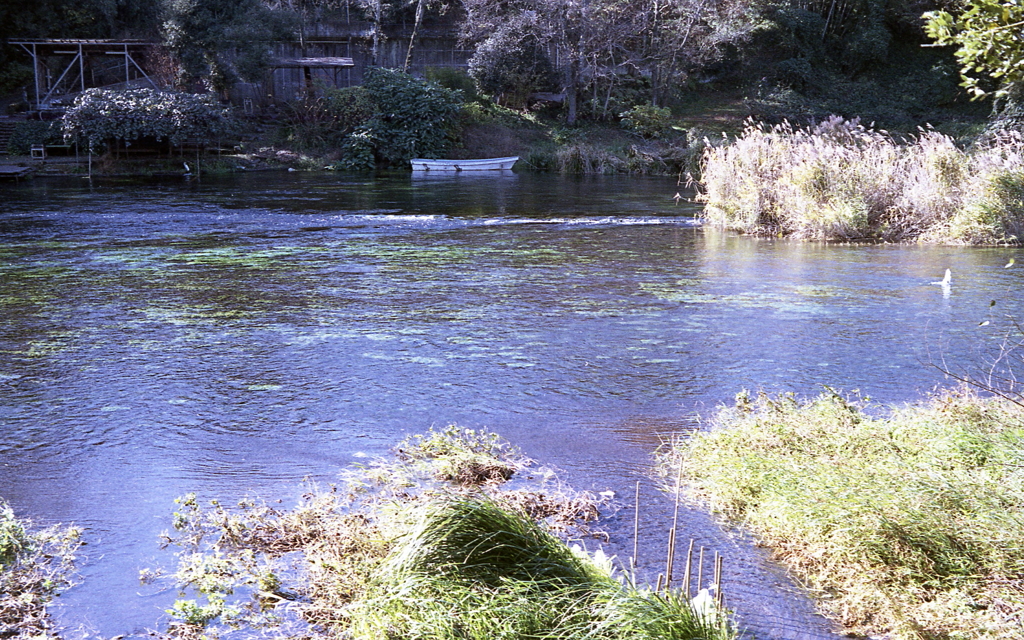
234 336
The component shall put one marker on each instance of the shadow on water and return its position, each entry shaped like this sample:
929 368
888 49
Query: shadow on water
237 335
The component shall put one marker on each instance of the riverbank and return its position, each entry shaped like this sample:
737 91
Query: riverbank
905 526
583 151
669 144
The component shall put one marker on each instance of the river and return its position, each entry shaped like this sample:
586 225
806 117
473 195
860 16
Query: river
234 336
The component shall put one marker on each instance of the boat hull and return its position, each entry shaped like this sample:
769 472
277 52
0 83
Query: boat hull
479 164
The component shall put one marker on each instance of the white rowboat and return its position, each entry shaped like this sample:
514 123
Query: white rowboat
479 164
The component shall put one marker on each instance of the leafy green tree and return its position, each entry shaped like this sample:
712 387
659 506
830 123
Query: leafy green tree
988 40
512 63
599 43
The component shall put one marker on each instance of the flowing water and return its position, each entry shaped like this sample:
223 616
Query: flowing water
235 336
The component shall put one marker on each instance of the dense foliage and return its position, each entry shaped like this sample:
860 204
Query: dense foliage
68 19
605 45
99 116
26 134
647 121
320 123
411 118
799 59
222 41
511 63
988 40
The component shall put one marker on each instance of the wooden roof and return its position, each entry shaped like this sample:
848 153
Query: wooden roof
298 63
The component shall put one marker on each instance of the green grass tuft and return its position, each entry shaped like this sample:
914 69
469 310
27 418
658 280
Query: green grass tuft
477 541
471 570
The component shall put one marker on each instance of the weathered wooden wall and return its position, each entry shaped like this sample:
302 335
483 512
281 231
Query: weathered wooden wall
435 46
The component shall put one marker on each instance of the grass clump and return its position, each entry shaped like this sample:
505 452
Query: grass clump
842 181
910 524
472 570
35 566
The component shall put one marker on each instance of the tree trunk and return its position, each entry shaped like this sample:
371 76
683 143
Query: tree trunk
376 32
572 83
415 27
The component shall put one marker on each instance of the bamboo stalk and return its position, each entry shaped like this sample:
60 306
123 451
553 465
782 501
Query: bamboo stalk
679 484
670 560
686 574
657 587
719 597
636 527
700 569
672 532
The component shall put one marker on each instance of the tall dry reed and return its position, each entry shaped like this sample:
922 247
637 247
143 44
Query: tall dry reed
842 181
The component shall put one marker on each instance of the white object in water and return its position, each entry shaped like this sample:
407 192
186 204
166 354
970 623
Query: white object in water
478 164
946 279
704 604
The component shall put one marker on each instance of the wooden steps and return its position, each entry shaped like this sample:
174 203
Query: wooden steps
6 129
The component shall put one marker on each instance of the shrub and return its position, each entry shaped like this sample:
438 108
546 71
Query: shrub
320 123
102 115
647 121
349 107
454 79
411 118
26 134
